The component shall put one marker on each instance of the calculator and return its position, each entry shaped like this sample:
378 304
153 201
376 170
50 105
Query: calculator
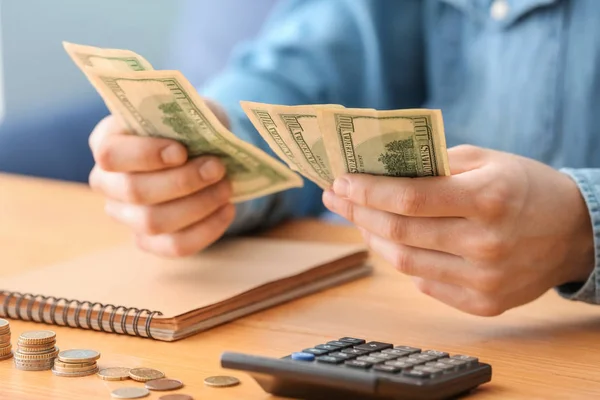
357 369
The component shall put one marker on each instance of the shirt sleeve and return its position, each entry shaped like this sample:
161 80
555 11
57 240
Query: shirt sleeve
309 52
588 181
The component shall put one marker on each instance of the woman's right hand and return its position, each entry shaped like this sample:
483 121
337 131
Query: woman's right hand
176 207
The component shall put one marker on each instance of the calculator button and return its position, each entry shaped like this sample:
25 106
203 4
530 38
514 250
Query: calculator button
415 373
410 350
358 364
384 356
387 368
454 362
432 370
316 352
374 346
416 361
468 359
330 359
356 352
436 353
423 357
300 356
352 340
372 360
396 352
400 364
341 345
441 365
327 347
344 356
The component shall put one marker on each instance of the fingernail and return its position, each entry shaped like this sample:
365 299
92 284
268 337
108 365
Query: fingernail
340 187
328 198
211 170
172 155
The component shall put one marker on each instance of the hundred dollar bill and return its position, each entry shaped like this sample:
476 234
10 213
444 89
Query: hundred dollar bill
294 134
406 143
164 104
107 59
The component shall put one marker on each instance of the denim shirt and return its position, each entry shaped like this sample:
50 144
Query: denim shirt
521 76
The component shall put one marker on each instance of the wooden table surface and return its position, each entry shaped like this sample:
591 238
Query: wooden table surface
549 349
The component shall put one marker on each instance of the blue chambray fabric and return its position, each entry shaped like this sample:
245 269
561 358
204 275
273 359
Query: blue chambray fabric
522 76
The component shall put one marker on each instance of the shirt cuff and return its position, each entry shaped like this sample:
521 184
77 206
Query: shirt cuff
588 181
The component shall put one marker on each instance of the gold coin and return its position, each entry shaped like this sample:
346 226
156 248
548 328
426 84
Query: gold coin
41 356
221 381
26 350
37 337
145 374
73 365
5 350
5 337
114 374
74 374
78 369
78 355
49 343
6 356
129 393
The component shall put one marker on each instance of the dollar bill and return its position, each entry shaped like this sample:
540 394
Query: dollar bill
293 133
108 59
164 104
403 143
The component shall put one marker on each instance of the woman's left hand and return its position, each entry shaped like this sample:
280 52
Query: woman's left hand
496 234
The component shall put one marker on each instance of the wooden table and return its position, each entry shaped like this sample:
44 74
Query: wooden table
549 349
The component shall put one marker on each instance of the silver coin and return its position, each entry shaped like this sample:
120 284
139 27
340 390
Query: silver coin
129 393
78 355
221 381
3 323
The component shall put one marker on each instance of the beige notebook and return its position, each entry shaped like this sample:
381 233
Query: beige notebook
124 290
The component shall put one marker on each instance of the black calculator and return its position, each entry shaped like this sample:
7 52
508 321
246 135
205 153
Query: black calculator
353 368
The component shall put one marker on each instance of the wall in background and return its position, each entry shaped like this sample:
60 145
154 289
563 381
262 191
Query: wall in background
38 74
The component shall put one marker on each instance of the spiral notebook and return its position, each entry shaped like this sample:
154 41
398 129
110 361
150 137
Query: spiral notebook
126 291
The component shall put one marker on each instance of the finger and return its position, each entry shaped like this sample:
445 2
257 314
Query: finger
447 196
117 150
192 239
465 158
461 298
444 234
174 215
158 187
427 264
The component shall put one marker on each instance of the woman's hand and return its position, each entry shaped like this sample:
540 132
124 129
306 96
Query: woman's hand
497 234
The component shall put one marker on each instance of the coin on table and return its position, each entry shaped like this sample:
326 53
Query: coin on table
37 337
145 374
176 397
114 373
130 393
74 374
221 381
164 384
61 364
78 355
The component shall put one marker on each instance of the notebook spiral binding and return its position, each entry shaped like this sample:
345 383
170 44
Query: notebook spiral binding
102 309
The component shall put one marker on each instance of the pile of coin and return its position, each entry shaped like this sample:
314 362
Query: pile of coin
5 345
36 351
76 363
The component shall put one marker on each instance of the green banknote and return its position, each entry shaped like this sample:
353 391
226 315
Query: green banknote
164 104
403 143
